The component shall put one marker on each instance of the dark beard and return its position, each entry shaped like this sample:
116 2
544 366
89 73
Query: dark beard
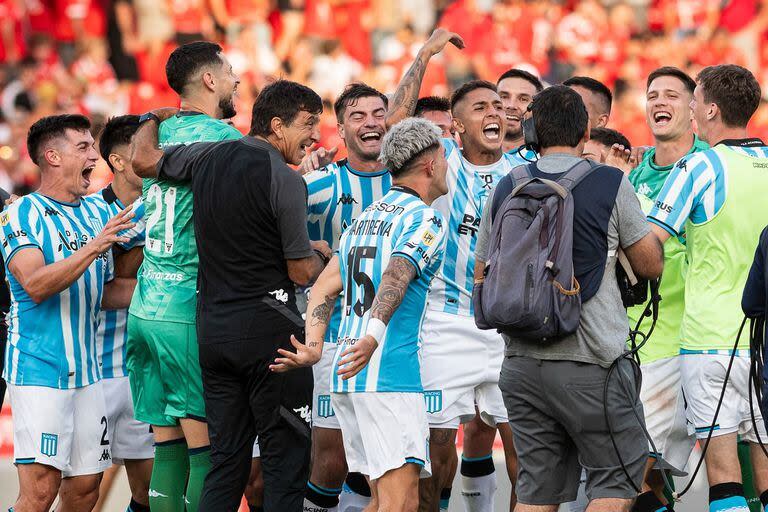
510 136
227 107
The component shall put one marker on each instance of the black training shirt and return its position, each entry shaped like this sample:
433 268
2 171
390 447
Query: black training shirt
250 215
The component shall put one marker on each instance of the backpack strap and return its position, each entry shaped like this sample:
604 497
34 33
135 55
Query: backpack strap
577 173
506 185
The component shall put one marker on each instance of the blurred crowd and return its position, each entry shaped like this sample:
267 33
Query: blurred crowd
107 57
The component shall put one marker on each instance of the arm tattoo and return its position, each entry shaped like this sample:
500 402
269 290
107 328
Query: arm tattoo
407 93
394 282
322 313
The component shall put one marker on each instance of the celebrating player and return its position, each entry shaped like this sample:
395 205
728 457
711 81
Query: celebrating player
517 88
461 364
597 98
163 355
53 245
385 263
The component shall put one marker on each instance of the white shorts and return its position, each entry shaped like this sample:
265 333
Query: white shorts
256 450
703 376
63 428
665 416
383 431
129 438
460 367
323 415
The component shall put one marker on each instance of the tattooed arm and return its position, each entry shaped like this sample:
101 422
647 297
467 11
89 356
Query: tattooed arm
394 282
403 103
321 299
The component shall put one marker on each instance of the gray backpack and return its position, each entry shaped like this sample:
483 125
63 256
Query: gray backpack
530 290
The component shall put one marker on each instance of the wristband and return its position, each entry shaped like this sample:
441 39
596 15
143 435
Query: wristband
376 329
325 259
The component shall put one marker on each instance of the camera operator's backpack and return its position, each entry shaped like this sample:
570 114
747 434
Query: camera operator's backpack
530 290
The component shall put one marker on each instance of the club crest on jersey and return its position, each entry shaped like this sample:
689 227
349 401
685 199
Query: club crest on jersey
5 218
324 407
49 444
433 400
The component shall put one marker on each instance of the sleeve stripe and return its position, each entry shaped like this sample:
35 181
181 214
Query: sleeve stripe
666 227
410 259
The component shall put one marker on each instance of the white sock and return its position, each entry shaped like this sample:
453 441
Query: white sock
478 492
350 501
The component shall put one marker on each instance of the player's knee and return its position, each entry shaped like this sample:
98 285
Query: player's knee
82 496
39 496
330 466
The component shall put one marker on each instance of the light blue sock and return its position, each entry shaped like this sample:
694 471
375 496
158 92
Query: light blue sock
729 504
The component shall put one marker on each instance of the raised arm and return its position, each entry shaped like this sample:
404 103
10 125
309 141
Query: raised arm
145 153
319 309
403 103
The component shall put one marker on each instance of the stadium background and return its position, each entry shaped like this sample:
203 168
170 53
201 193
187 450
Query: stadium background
107 57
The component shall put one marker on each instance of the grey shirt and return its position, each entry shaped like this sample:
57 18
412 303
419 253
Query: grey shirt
603 328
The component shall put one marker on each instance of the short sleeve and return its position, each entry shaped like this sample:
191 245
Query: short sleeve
20 227
288 197
179 162
320 192
632 224
421 239
484 231
137 233
688 193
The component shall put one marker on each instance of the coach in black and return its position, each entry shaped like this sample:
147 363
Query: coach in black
250 225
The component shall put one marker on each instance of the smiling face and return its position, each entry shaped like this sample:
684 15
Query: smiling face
702 112
479 120
667 108
299 136
363 128
226 82
516 94
76 157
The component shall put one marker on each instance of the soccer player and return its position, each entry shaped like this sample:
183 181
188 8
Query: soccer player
438 110
601 142
338 194
596 96
131 440
386 261
53 245
517 88
163 354
461 364
714 198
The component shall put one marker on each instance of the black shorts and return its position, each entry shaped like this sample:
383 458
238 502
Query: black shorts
558 422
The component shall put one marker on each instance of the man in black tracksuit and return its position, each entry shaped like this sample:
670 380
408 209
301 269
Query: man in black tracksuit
755 305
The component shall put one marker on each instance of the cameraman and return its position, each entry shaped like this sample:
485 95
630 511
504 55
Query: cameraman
554 392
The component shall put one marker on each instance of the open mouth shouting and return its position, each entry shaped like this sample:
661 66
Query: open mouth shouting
662 118
86 175
371 137
492 131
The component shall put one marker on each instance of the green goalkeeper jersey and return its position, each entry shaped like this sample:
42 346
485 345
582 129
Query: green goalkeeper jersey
167 280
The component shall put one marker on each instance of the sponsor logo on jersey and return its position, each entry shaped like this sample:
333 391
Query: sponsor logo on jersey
419 250
49 444
381 206
11 236
347 199
163 276
664 207
433 399
324 407
469 225
72 241
305 413
280 295
760 165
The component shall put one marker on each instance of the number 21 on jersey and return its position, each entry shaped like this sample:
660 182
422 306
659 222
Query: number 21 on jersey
156 198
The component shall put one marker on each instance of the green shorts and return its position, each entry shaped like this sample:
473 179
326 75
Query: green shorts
164 370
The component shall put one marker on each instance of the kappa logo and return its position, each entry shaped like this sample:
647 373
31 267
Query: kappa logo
280 295
154 494
49 444
347 199
644 189
682 165
105 455
324 407
437 222
50 212
305 413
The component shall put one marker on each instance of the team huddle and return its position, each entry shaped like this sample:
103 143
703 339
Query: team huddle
117 299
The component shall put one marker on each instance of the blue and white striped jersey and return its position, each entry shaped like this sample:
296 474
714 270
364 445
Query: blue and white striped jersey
399 224
53 343
696 188
468 189
113 324
337 195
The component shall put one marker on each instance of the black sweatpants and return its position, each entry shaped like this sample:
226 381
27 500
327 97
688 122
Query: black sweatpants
244 399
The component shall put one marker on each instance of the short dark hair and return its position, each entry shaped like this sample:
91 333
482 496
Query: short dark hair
688 82
283 99
48 128
523 74
467 88
596 86
733 89
351 94
432 104
117 132
608 137
187 59
559 116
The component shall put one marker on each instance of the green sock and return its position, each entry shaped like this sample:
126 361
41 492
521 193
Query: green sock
169 476
745 459
199 465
